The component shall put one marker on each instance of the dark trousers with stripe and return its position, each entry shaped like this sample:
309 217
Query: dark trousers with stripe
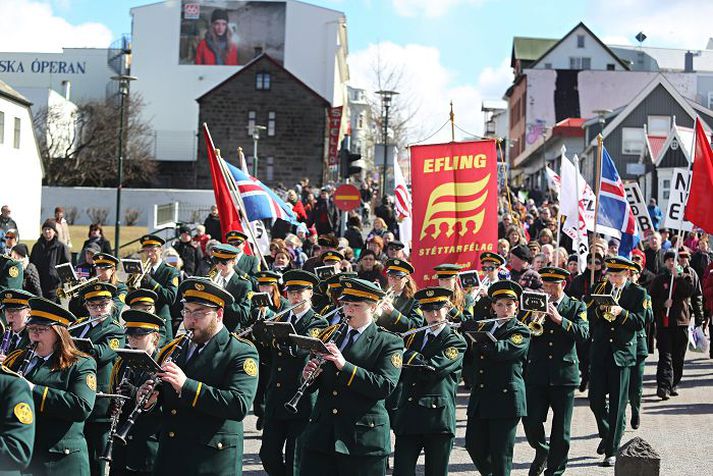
608 379
436 447
539 399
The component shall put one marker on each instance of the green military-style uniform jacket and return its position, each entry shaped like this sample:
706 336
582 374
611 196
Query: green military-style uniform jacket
164 282
202 428
107 336
498 386
427 400
287 363
63 401
247 264
139 454
238 314
76 304
17 423
552 358
617 337
11 274
406 315
642 345
349 417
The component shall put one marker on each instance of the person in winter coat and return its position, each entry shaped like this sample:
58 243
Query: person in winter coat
96 235
297 206
324 214
47 253
212 224
218 47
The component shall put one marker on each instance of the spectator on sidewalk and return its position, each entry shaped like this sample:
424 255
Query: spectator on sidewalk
354 233
96 235
10 240
385 211
62 227
201 237
324 215
297 207
188 250
6 221
47 253
655 213
212 224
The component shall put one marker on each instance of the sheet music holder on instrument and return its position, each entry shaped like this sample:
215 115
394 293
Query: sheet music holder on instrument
313 344
325 272
534 302
469 279
139 360
604 299
67 273
280 330
481 337
260 299
83 344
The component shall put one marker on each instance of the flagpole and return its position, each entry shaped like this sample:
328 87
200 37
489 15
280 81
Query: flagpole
238 198
597 185
578 241
453 123
499 141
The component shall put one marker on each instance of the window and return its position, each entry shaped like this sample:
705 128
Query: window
16 139
580 41
632 140
360 121
270 168
579 62
2 127
251 122
659 125
611 66
271 123
666 188
262 81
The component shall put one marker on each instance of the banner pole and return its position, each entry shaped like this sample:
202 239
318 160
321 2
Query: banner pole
453 123
597 185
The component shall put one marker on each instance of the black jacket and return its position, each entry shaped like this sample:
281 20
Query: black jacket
212 227
31 280
190 255
46 255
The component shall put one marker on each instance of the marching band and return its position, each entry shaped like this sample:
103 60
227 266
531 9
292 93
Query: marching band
330 364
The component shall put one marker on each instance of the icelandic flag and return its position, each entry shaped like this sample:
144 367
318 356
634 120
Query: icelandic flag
260 201
614 210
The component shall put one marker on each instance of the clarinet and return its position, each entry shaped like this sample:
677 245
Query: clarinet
118 407
291 406
5 341
139 409
29 355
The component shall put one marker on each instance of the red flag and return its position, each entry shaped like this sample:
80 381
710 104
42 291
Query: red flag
229 216
698 209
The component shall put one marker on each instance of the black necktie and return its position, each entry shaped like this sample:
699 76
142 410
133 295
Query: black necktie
350 339
426 340
13 341
34 365
195 353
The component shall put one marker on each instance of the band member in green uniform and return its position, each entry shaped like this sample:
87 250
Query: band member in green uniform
282 427
16 310
490 263
462 308
17 423
348 431
161 279
106 336
142 331
497 400
332 291
11 273
207 388
636 382
426 414
64 384
402 313
245 264
145 300
225 258
552 374
268 282
613 353
105 266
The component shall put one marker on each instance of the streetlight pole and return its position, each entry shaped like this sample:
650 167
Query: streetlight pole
256 138
386 100
124 81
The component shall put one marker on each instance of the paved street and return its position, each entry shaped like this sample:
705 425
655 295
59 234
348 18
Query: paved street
679 429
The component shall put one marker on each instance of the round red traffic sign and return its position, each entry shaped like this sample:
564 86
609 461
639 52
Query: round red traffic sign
347 197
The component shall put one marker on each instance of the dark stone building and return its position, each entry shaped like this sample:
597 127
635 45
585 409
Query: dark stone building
264 93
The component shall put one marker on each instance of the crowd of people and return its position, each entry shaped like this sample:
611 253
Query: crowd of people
327 339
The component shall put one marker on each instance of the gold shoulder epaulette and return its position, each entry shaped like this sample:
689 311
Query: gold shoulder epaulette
242 339
13 356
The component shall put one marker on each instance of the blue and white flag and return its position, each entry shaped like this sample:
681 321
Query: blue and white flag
614 210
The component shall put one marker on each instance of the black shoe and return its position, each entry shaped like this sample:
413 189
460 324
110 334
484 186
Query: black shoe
602 446
538 466
635 421
608 462
674 392
259 424
662 393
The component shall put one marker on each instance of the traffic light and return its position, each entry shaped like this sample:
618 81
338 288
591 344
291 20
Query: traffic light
349 164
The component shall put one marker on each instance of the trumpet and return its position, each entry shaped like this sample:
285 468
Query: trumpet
249 329
133 281
68 291
139 409
387 299
536 324
213 274
607 310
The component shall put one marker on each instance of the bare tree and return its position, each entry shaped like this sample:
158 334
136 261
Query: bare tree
79 147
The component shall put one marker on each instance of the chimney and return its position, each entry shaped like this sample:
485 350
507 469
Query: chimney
67 88
688 62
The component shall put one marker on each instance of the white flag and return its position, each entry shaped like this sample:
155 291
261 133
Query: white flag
577 204
403 207
553 181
